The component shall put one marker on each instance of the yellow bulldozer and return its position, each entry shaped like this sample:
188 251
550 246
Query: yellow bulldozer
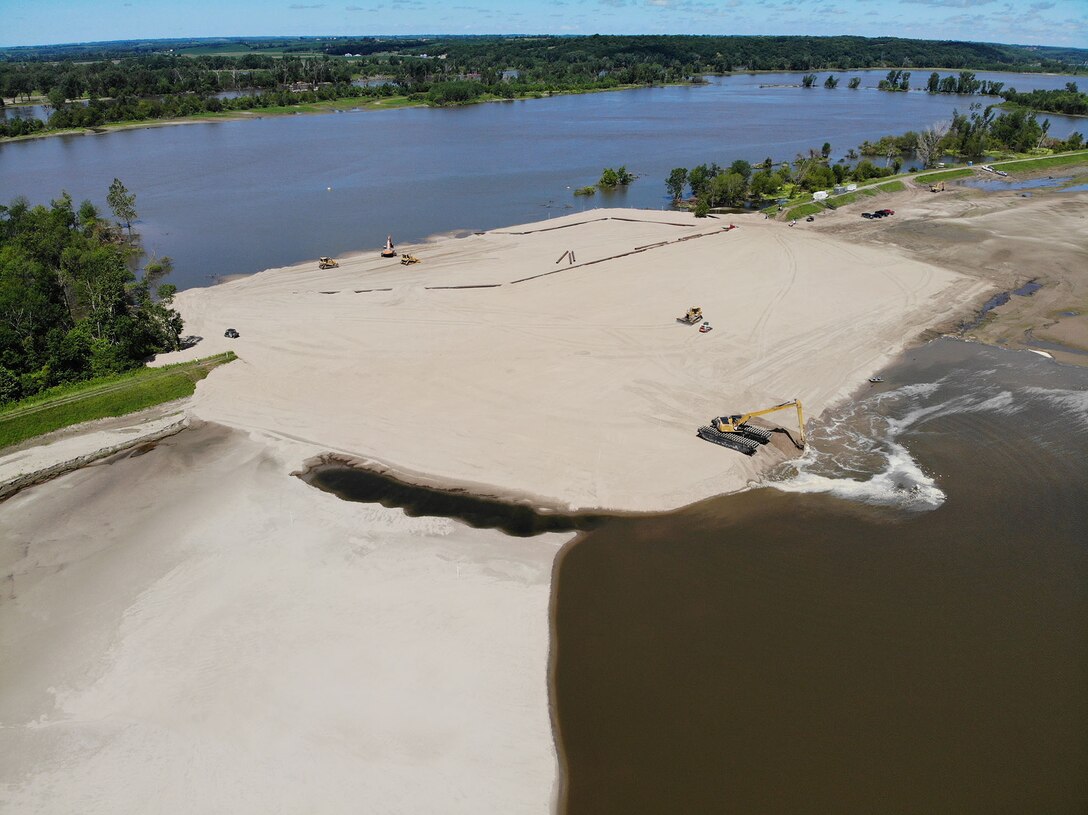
936 187
328 263
735 432
694 315
408 260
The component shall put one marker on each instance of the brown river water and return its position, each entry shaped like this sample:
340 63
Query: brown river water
897 624
901 627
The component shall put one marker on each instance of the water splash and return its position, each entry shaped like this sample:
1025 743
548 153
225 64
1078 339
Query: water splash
859 453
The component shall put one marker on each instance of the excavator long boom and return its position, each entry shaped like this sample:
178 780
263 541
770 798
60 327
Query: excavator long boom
732 424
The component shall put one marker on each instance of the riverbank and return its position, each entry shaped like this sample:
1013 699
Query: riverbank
340 105
1008 237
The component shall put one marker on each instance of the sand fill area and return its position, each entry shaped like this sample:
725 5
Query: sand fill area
490 366
187 628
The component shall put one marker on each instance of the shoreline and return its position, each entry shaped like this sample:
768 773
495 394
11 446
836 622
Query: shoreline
366 104
347 104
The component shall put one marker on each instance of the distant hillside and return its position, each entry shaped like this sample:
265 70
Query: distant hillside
679 52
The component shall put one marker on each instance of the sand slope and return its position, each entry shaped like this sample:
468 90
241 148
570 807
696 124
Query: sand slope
253 645
578 387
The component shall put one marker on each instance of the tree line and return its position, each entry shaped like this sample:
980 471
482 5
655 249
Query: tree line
712 185
78 297
969 135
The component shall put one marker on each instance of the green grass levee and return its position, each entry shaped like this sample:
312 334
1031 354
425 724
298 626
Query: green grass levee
944 175
1041 163
106 396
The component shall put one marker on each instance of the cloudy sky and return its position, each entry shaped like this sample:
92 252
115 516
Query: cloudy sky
1033 22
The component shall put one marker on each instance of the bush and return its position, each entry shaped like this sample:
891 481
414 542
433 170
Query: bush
586 191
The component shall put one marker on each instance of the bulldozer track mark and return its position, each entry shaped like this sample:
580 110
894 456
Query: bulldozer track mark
470 286
635 251
760 328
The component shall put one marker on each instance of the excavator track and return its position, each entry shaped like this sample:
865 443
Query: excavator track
755 433
734 441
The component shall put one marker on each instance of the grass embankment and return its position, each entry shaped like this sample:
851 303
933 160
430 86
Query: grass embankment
1041 163
67 405
813 207
944 175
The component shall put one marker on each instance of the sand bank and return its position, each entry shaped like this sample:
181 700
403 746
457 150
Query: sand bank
195 632
489 365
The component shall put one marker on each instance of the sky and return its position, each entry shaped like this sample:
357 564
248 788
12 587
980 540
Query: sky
1027 22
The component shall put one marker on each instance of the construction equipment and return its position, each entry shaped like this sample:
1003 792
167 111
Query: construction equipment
735 432
408 260
327 263
936 187
694 315
389 251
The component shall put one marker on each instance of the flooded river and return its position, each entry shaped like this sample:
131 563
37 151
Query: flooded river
237 197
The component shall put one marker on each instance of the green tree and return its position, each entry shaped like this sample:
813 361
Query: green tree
825 151
122 203
808 81
609 179
741 168
764 184
676 182
854 83
831 82
727 188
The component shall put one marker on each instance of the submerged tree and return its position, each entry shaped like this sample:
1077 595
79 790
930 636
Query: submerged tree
929 141
831 82
676 181
854 83
122 203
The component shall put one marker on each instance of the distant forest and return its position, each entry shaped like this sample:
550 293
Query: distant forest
670 52
85 86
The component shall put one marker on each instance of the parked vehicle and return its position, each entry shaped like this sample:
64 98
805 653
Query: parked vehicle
230 332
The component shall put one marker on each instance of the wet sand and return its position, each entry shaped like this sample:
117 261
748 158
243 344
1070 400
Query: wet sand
1003 238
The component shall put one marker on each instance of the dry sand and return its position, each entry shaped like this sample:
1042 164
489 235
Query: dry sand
195 631
578 388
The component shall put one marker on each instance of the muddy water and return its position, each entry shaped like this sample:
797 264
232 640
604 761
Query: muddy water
900 626
519 519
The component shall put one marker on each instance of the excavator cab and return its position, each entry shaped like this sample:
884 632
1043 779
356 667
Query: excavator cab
694 315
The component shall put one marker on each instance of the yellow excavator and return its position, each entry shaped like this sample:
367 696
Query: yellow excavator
694 315
735 432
